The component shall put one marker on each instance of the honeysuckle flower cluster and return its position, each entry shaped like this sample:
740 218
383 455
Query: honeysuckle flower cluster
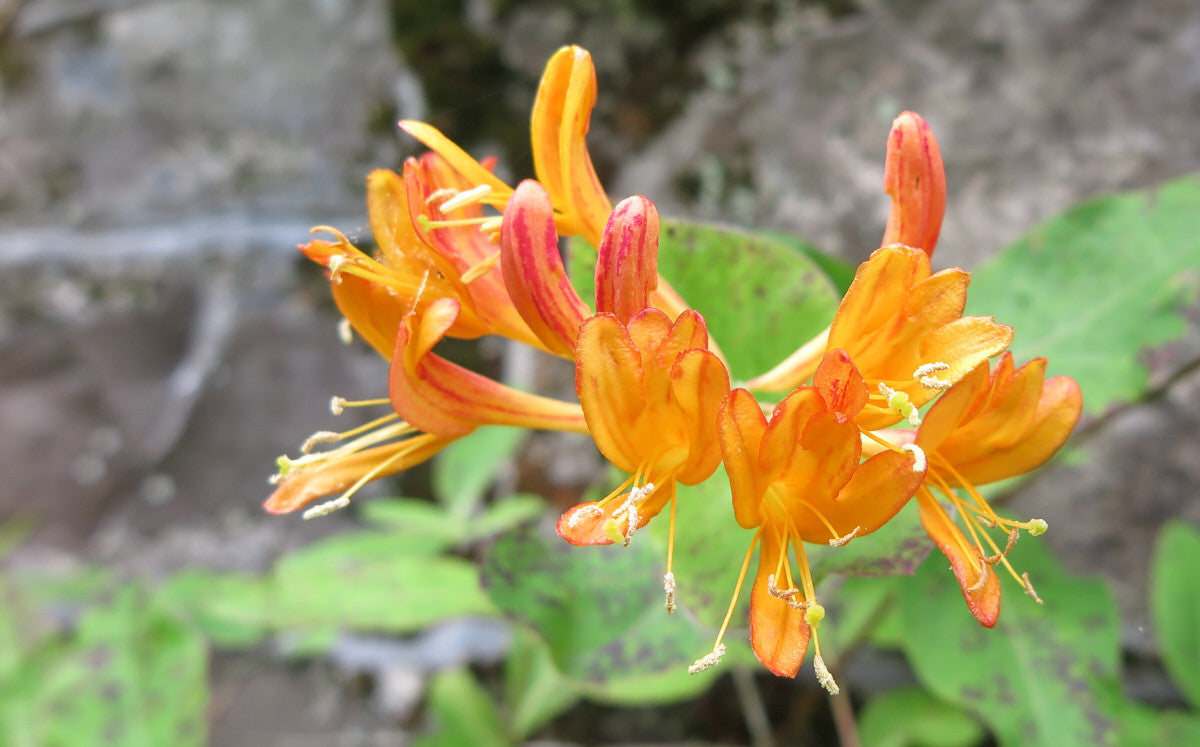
843 448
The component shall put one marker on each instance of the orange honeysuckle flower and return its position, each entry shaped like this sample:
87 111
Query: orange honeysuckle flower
916 181
558 128
558 131
904 329
985 428
797 478
649 387
416 265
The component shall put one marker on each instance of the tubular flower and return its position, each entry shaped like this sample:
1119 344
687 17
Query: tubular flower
905 331
988 427
797 478
649 387
418 264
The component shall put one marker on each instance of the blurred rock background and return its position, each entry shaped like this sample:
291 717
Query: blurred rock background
160 342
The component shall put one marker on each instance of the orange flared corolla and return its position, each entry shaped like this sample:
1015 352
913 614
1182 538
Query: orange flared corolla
904 329
797 478
988 427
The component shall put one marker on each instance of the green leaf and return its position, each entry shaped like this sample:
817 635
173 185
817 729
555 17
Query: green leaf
130 674
1175 603
1097 286
463 712
534 690
1047 675
505 514
762 299
466 468
415 518
911 717
229 609
896 548
600 611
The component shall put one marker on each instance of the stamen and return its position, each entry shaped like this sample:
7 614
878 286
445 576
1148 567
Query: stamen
466 197
577 517
824 677
326 508
631 523
982 570
899 402
708 661
427 224
320 437
669 588
775 591
492 225
924 374
1029 588
440 195
845 538
920 463
1012 540
344 331
336 262
481 269
986 522
337 405
341 237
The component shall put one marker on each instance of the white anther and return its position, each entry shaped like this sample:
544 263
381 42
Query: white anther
925 375
1029 588
824 677
631 523
669 588
337 405
982 570
582 511
344 331
492 225
481 269
440 195
845 538
320 437
464 198
327 507
920 462
336 262
708 661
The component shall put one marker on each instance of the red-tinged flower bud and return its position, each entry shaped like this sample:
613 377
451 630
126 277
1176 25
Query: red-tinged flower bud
916 181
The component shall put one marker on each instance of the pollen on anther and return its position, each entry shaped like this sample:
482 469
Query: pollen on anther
320 437
466 197
920 463
709 660
440 195
344 331
925 375
337 405
327 507
336 262
581 512
669 588
824 677
845 538
1029 588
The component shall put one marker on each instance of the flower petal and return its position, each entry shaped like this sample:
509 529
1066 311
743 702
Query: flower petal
916 181
877 490
533 270
741 425
840 384
608 380
470 169
983 600
339 474
778 633
627 266
440 397
699 383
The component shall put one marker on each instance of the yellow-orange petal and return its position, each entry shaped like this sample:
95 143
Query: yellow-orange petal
880 287
533 270
983 599
587 523
440 397
608 380
558 128
778 633
469 168
336 475
780 454
1057 412
916 181
963 344
699 383
876 491
627 265
741 425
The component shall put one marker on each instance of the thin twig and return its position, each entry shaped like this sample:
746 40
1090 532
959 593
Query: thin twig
843 719
753 710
